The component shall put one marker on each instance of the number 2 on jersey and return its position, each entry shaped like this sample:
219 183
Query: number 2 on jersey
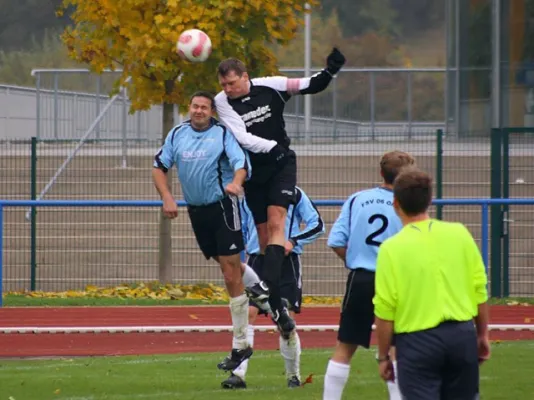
370 240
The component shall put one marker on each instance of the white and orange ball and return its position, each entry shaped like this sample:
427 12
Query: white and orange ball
194 45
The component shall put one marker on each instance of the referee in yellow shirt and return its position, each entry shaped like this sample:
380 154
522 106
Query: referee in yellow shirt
430 285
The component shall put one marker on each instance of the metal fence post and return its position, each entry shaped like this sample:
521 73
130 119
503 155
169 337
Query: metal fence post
372 103
334 106
409 105
505 212
124 128
38 105
485 237
439 172
33 223
496 212
56 106
98 90
297 113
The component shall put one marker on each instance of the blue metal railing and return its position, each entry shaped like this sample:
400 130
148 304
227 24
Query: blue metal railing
483 203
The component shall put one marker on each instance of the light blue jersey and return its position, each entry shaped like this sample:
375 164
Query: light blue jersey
205 160
366 220
303 212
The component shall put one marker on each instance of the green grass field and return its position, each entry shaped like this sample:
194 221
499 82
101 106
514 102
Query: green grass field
508 375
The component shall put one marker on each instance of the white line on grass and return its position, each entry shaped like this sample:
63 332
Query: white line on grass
116 360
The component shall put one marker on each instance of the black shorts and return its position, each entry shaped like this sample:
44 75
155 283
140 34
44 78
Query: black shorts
439 363
357 311
290 282
217 227
270 186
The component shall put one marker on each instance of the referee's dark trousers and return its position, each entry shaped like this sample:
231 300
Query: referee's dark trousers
439 363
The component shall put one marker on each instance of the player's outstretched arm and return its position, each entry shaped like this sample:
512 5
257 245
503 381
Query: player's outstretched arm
320 81
316 83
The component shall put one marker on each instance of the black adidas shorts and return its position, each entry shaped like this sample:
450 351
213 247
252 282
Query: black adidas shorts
290 283
357 311
271 187
217 227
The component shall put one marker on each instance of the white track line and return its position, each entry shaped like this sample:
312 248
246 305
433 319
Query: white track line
203 328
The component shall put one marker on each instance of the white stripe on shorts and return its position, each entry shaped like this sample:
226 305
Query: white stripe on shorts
235 212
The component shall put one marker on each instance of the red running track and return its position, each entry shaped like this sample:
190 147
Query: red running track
84 344
199 315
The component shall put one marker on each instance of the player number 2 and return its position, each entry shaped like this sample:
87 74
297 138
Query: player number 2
370 240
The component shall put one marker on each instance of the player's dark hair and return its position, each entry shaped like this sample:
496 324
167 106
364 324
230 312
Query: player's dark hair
205 94
229 65
393 162
413 190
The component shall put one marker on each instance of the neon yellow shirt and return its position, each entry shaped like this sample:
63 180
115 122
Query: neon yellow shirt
429 272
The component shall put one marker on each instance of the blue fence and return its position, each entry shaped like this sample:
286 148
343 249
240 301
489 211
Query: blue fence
483 203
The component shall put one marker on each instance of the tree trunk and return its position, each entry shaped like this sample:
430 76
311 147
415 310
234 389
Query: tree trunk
165 227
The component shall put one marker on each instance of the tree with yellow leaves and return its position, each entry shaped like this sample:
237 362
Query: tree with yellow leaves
139 37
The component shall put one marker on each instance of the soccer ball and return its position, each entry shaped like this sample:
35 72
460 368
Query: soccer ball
194 45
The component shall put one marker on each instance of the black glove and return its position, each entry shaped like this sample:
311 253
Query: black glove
279 154
334 61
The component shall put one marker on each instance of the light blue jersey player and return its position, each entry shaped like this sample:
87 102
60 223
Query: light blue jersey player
366 220
212 168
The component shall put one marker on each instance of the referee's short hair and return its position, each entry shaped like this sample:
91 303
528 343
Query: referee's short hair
229 65
205 94
392 163
413 191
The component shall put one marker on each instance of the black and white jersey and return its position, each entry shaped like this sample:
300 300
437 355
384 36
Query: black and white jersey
256 119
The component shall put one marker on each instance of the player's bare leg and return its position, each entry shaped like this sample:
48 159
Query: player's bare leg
241 350
263 236
274 259
337 371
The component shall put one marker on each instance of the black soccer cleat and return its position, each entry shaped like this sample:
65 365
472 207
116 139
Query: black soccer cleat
259 292
233 382
285 323
293 382
259 295
234 359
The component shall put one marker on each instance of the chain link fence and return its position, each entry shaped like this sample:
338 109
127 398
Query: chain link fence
339 155
76 246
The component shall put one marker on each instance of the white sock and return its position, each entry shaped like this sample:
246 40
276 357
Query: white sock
335 379
393 386
241 371
290 351
239 312
250 277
